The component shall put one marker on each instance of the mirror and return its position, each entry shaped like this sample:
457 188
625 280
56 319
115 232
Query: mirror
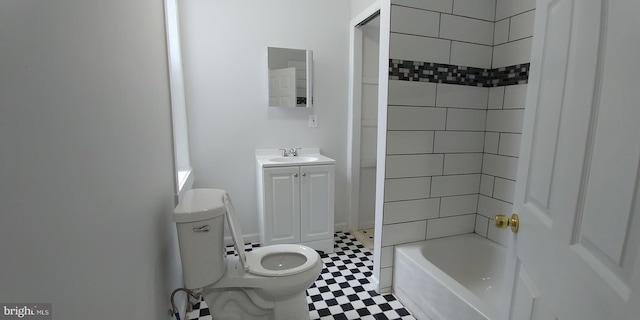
290 77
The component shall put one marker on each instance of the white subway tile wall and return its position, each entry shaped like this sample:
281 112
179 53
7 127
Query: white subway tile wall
489 207
497 235
407 93
415 35
509 144
415 22
434 5
505 120
466 120
416 118
501 32
414 165
513 31
510 8
462 163
500 166
469 54
407 189
515 96
442 227
453 185
466 30
451 95
457 205
479 9
482 225
411 210
511 53
398 233
458 141
491 142
415 48
486 185
500 162
409 142
386 257
521 26
452 149
503 189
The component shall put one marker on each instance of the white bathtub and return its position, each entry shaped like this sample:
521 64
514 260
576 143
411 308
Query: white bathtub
458 277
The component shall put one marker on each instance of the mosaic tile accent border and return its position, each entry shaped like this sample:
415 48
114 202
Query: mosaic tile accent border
507 76
407 70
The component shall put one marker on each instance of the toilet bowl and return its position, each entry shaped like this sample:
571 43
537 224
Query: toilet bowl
266 283
296 263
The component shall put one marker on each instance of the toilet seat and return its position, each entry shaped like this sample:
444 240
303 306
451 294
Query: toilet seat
234 229
252 261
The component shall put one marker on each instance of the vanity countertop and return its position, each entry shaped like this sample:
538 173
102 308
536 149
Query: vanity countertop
305 157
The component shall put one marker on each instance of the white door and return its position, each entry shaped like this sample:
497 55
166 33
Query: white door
576 253
316 202
282 87
282 205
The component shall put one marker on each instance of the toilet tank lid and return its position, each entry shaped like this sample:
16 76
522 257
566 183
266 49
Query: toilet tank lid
199 204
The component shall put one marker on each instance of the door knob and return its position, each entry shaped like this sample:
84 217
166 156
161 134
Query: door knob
502 222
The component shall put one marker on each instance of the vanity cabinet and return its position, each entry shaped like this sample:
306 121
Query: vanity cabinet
296 205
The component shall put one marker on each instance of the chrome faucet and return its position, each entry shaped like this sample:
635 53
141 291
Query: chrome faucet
293 152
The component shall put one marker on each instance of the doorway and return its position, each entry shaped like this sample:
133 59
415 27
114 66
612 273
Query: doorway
364 130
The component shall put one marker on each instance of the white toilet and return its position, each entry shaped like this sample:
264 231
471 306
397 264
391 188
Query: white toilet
266 283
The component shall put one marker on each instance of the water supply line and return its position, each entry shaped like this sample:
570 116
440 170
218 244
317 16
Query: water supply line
174 310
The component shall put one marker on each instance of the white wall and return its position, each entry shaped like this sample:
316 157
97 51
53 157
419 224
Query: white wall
86 176
358 6
225 60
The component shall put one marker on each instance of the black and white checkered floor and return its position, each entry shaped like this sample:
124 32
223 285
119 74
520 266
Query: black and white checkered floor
343 291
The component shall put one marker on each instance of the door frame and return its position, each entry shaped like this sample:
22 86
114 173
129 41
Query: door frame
383 9
354 116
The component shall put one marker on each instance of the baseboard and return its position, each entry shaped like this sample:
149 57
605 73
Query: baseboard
342 227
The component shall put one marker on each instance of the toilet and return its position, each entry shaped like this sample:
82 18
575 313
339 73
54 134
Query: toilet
266 283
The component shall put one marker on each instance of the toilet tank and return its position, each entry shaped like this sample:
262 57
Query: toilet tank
199 219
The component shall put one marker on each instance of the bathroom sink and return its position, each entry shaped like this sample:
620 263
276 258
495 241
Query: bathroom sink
294 159
306 157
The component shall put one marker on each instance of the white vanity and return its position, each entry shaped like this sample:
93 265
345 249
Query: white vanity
296 197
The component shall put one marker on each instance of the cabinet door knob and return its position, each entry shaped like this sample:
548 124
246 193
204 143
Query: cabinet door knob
295 175
304 174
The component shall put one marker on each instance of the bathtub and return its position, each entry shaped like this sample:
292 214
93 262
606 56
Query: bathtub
458 277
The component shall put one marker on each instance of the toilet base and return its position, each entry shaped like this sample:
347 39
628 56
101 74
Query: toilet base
294 308
239 304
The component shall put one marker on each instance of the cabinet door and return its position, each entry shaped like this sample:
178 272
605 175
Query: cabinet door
316 202
282 205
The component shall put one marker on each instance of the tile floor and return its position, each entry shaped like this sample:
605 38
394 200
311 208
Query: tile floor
343 291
